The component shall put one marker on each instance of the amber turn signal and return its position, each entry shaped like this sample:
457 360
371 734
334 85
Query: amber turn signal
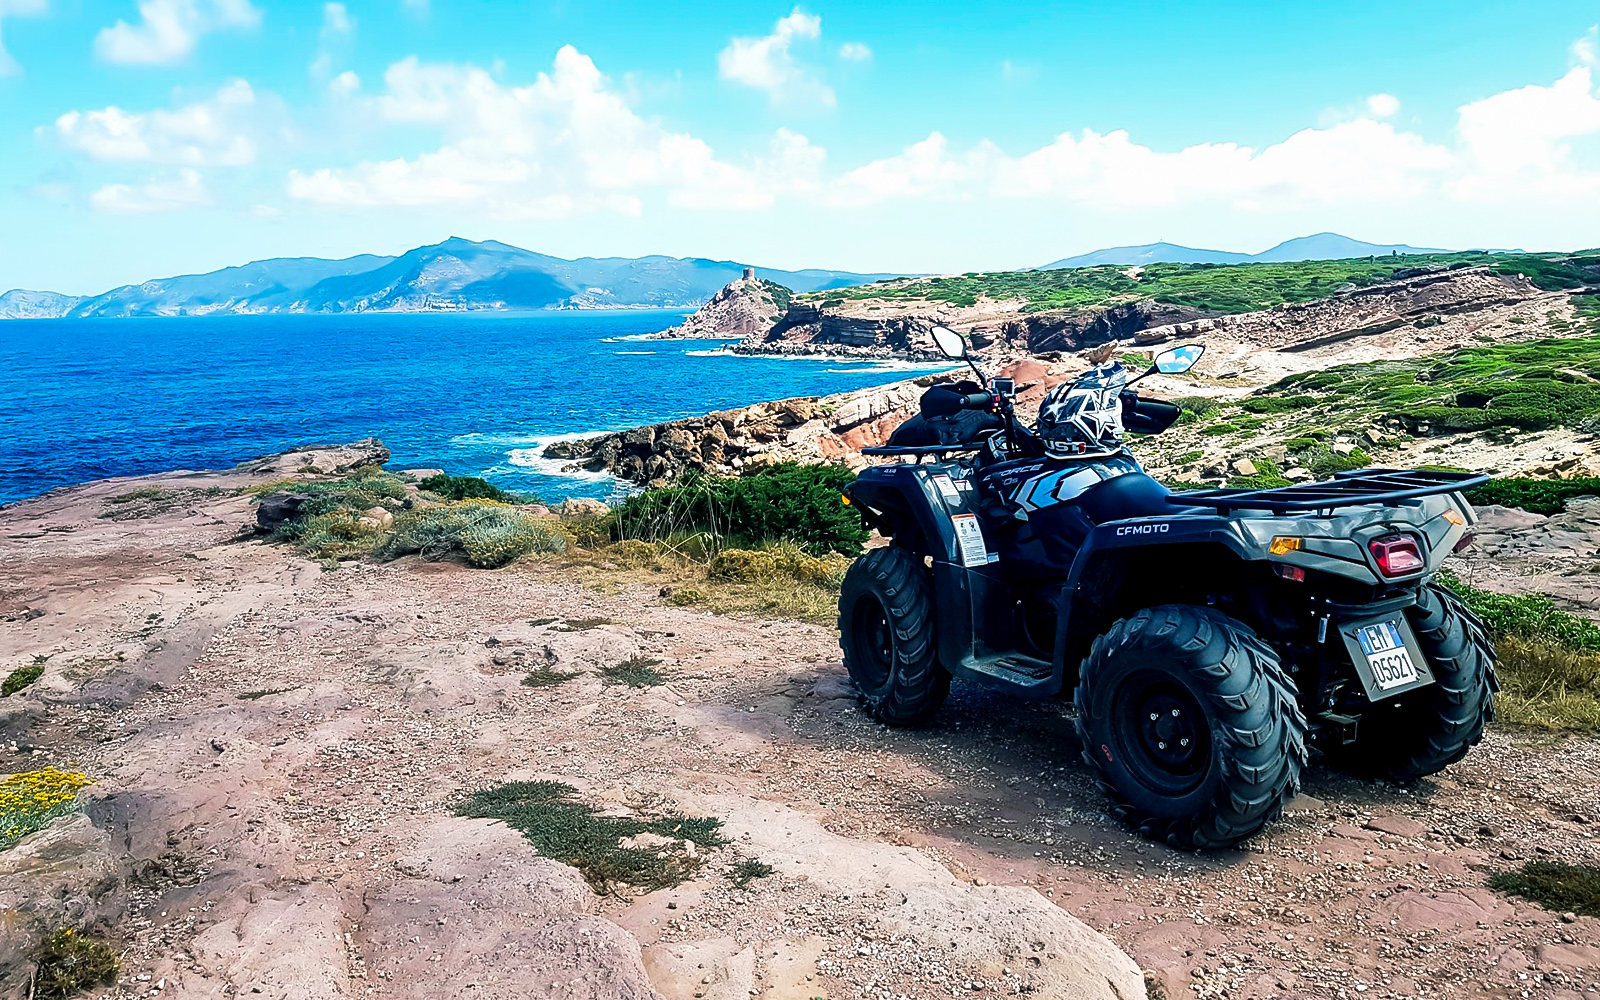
1282 545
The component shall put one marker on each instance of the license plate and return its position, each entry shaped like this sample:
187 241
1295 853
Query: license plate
1386 656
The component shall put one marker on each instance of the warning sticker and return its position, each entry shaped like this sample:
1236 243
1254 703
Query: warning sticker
946 488
969 535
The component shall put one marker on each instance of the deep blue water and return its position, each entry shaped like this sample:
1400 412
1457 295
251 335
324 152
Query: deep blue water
473 394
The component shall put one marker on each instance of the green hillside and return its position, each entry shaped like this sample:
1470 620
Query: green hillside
1212 287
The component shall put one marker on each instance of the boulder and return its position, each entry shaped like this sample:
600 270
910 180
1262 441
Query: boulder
582 507
1244 467
276 508
377 517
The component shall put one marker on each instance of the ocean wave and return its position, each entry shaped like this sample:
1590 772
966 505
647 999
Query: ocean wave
633 352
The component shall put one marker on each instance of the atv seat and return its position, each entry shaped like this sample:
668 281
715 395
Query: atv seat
1132 495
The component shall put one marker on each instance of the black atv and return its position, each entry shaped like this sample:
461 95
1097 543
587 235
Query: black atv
1210 639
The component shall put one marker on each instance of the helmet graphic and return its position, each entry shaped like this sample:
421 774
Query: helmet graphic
1083 418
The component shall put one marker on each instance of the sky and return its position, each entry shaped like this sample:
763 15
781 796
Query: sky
145 138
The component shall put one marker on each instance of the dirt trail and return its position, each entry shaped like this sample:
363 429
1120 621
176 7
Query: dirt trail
277 748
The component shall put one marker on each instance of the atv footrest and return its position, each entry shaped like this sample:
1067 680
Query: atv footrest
1015 670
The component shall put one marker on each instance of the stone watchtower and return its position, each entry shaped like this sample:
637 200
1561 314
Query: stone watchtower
749 274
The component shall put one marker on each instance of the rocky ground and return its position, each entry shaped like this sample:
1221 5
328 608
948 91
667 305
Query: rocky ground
277 749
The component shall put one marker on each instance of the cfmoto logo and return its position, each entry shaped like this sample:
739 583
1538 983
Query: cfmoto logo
1144 529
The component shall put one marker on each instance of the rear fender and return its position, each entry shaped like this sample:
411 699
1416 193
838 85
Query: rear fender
1178 556
929 500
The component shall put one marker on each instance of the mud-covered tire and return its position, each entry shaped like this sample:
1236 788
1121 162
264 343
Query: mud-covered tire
886 630
1247 735
1426 731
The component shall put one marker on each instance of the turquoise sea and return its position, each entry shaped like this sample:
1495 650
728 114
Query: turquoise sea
473 393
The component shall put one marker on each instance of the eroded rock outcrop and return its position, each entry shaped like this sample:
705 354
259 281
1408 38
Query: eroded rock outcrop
1420 299
743 308
805 429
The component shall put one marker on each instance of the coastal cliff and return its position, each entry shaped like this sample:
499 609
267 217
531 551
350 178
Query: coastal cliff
893 320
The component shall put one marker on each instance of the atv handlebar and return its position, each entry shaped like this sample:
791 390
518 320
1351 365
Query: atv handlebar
941 402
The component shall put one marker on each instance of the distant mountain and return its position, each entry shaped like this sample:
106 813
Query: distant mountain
19 303
457 274
1322 246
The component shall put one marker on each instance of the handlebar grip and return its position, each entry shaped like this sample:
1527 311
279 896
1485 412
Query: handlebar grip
978 401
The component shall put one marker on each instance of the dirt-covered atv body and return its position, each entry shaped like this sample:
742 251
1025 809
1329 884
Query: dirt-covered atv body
1210 639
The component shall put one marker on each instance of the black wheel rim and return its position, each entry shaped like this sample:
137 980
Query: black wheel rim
1161 733
872 642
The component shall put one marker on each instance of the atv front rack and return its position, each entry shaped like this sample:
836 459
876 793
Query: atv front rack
1346 489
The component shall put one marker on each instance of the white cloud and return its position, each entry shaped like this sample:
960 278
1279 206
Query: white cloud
214 132
1518 143
766 63
855 52
168 30
336 20
186 189
344 84
1383 105
569 143
566 143
415 6
16 8
1586 50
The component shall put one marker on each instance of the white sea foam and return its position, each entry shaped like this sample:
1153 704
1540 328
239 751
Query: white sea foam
633 352
532 457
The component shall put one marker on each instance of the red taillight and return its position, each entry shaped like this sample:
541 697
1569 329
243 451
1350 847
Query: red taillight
1397 555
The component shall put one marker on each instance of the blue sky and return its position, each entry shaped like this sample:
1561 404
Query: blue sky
141 139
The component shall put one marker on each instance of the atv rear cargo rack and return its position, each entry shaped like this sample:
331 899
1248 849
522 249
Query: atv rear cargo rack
1345 489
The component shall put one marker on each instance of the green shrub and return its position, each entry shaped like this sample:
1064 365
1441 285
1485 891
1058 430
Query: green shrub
22 677
1266 477
1323 461
635 671
1196 409
464 488
1277 404
488 535
1215 429
785 502
1539 496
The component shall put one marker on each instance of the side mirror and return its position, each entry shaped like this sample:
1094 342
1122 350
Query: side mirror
950 343
1178 360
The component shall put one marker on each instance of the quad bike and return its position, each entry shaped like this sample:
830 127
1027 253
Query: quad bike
1210 639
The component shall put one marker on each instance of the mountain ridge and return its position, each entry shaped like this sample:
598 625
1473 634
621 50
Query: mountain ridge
455 274
1317 246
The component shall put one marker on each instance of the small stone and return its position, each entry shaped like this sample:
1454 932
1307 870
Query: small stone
1569 917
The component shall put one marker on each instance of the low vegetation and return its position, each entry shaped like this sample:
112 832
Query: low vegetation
544 676
1554 885
635 671
68 963
31 799
487 534
550 816
1548 659
1531 385
748 871
1540 496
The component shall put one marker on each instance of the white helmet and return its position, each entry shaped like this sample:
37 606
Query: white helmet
1083 418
